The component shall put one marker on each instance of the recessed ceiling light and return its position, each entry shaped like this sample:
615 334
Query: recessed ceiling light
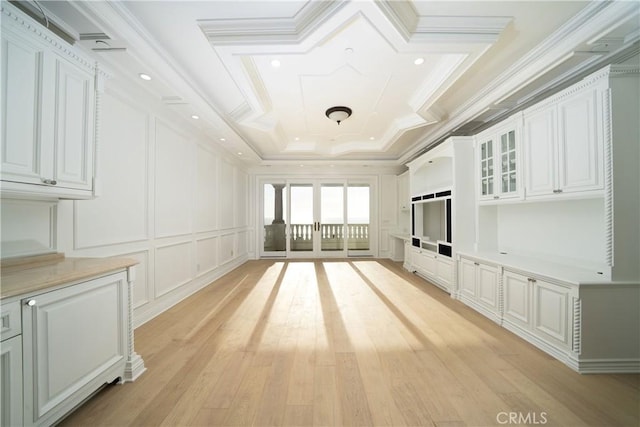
419 61
296 138
349 50
144 76
275 63
195 116
239 153
371 138
222 139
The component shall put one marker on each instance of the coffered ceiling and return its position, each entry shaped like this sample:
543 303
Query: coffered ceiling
261 74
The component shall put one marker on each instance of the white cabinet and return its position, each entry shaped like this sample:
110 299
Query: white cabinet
478 287
564 152
498 161
541 310
75 341
48 114
11 365
436 268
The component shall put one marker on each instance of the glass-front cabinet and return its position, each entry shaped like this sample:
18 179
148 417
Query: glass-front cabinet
498 161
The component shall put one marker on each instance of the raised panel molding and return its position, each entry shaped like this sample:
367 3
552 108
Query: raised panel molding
206 255
172 267
74 134
551 311
173 183
121 213
516 293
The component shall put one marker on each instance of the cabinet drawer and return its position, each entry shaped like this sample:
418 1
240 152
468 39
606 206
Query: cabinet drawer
10 320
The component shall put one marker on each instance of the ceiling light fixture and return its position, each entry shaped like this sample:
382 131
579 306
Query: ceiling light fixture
338 114
419 61
144 76
275 63
195 117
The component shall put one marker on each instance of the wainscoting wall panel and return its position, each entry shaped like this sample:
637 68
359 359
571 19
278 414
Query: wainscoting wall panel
173 189
121 209
170 198
206 255
173 267
206 191
226 195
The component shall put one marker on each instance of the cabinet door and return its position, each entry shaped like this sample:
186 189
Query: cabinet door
540 155
11 382
26 132
424 262
486 159
72 337
551 312
444 271
580 151
516 299
467 278
487 286
508 181
74 129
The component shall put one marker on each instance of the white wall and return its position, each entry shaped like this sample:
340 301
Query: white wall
570 231
169 199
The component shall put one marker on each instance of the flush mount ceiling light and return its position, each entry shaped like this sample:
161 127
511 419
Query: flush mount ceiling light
144 76
338 114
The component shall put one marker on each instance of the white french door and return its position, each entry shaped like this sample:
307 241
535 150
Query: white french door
317 218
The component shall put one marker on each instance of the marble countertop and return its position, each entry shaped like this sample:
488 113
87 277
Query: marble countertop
30 274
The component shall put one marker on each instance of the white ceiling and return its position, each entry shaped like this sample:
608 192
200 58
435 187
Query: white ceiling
481 60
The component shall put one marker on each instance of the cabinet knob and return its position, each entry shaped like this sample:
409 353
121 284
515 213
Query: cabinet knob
496 197
50 181
31 303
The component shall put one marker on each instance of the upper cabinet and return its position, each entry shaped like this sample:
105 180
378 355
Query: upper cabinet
48 113
564 150
498 160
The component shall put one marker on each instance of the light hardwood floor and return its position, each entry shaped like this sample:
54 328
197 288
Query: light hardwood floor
351 343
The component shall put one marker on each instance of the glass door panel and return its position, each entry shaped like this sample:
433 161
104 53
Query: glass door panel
332 217
358 219
301 227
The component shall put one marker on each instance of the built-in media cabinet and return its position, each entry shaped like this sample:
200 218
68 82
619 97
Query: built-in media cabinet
534 222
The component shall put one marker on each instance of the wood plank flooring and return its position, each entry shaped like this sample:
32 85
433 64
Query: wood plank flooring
346 343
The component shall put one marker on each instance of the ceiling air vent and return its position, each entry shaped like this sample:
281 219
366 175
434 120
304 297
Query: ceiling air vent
33 9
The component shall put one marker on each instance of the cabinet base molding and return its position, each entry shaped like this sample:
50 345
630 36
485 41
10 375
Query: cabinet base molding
133 368
608 366
434 281
479 308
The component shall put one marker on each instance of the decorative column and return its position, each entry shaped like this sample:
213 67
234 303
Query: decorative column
134 366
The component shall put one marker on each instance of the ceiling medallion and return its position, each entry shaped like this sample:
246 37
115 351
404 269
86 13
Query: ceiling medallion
338 114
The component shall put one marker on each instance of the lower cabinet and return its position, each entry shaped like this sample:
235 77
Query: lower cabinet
539 311
11 381
542 312
478 286
436 268
75 340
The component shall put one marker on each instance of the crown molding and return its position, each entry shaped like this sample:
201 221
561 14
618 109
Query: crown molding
442 29
282 30
592 21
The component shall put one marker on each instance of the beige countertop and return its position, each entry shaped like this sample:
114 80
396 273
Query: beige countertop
37 273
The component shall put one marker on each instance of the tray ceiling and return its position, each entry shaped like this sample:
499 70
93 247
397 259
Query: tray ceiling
262 74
